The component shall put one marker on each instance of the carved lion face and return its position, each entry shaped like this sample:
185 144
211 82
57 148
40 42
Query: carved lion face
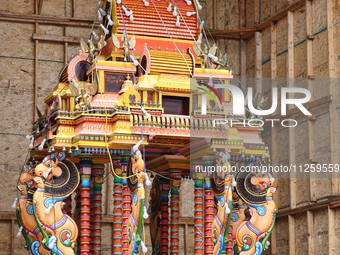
47 169
262 180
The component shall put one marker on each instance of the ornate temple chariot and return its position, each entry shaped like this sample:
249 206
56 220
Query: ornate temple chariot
140 95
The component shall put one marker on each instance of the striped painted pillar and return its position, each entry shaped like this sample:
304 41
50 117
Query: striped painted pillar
91 211
175 175
126 215
198 208
97 180
117 207
164 219
85 163
208 207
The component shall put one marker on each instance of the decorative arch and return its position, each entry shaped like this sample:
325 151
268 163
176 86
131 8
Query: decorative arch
145 61
72 66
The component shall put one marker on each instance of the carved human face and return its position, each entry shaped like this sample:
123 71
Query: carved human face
138 163
48 169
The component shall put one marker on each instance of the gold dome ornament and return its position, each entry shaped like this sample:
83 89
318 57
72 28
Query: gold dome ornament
126 85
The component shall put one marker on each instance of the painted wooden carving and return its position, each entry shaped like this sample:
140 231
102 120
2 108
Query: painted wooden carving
55 232
136 187
255 189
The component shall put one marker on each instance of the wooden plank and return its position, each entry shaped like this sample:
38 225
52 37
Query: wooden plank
258 62
36 4
40 6
12 236
257 11
273 4
332 91
332 202
243 43
214 3
311 124
243 59
33 18
242 15
186 243
274 149
310 226
36 62
290 75
308 106
331 232
73 8
216 32
276 17
57 38
291 224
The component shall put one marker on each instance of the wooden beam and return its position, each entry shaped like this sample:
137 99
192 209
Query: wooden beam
332 91
257 12
40 6
291 224
12 236
276 17
291 133
57 38
311 124
36 6
308 106
234 32
73 8
36 63
332 250
273 7
243 43
258 62
310 230
274 148
243 58
214 7
33 18
290 75
242 15
332 202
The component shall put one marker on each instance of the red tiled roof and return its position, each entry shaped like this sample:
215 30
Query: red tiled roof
147 22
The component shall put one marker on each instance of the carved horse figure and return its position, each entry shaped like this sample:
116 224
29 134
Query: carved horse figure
48 202
25 216
136 188
221 186
155 227
255 189
239 213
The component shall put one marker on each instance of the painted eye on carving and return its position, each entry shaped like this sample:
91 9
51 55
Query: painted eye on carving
48 164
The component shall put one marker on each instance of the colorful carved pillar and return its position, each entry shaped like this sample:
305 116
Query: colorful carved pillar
209 206
165 219
97 180
126 214
117 207
198 206
91 212
85 163
175 175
